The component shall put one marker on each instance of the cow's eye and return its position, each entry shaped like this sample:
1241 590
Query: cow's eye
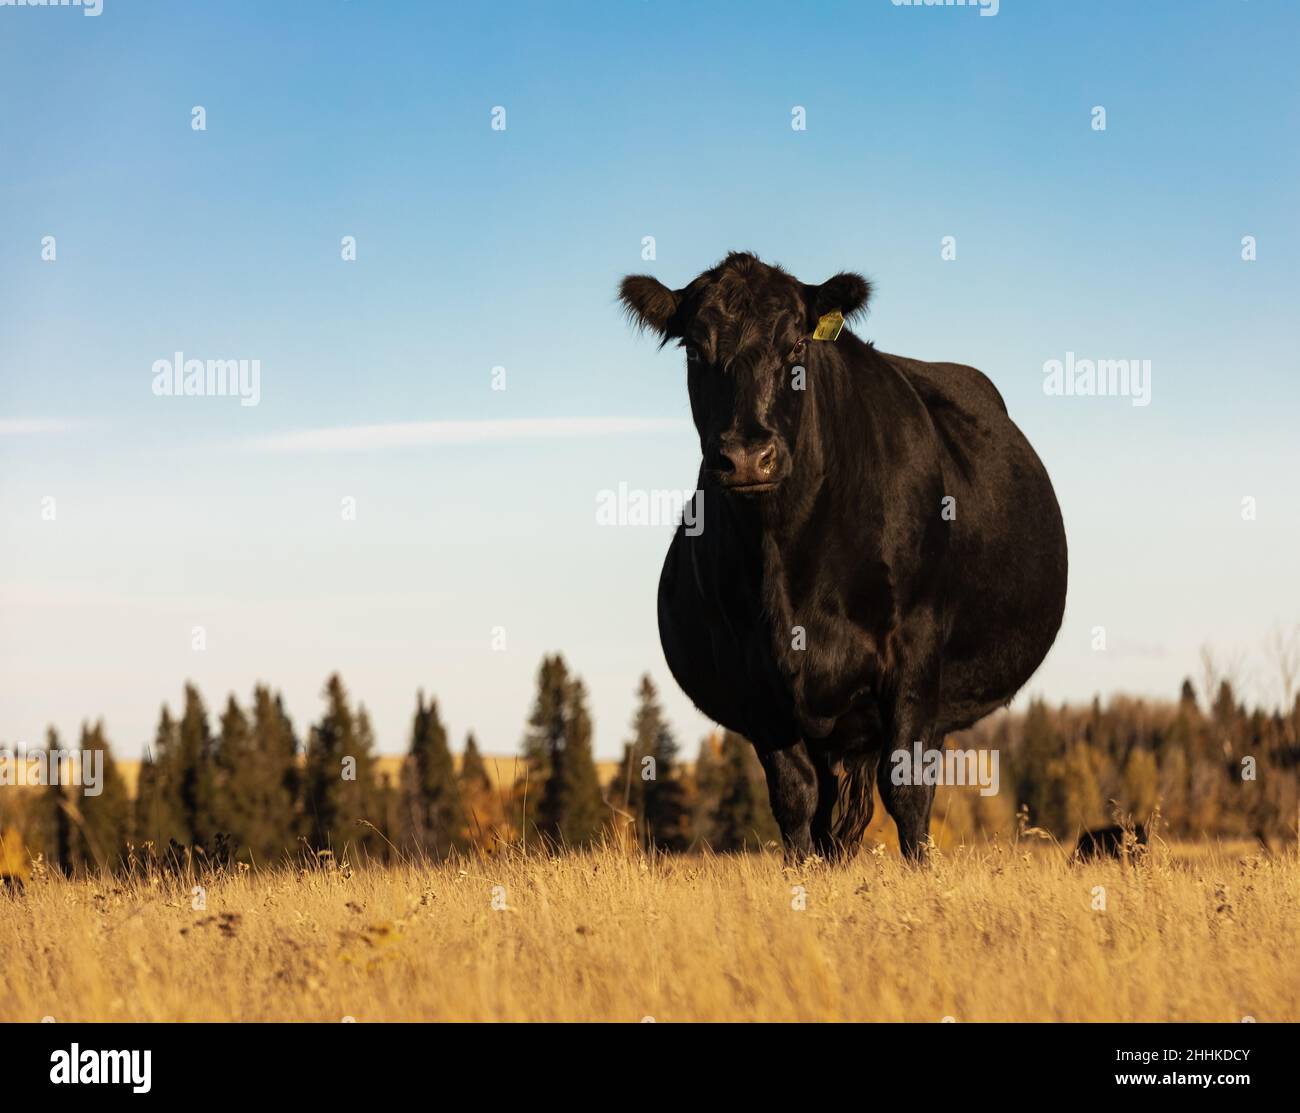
796 353
692 355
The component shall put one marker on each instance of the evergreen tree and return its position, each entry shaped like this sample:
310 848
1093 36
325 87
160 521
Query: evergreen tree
646 785
52 828
235 776
563 800
100 840
366 790
184 785
576 788
1225 704
160 813
339 779
708 783
473 771
435 818
279 780
257 779
544 737
144 808
743 819
194 771
484 815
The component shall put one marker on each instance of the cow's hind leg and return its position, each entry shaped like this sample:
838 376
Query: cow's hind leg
828 787
792 789
846 767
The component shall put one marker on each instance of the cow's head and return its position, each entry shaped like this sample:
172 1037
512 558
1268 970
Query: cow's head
744 327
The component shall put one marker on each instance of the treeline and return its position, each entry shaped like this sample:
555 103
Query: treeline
247 788
1213 769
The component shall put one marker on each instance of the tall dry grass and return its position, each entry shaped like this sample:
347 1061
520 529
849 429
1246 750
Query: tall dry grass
989 934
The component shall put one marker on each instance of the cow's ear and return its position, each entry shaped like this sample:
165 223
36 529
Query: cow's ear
847 292
648 302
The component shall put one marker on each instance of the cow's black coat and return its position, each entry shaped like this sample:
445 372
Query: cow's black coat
1110 842
830 610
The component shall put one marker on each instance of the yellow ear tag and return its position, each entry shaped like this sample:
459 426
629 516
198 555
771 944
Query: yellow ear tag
828 328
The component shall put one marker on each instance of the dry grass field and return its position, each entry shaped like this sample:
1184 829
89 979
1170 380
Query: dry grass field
989 934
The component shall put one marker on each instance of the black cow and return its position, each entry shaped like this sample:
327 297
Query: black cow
882 558
1110 842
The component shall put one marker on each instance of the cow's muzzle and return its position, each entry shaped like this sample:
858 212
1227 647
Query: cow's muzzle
753 467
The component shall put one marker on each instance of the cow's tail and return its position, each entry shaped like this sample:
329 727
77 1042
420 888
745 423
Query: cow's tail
857 799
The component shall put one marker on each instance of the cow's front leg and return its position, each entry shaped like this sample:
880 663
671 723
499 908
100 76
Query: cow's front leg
902 783
903 788
908 803
792 790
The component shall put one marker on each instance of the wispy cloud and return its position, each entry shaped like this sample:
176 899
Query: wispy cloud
27 426
348 438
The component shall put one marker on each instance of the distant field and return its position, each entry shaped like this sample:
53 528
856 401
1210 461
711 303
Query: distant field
995 934
502 769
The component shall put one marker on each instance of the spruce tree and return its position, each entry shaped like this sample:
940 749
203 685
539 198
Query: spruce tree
646 786
582 807
196 771
159 811
563 801
185 777
708 781
543 739
279 778
257 779
52 829
473 773
235 777
743 819
1225 709
479 797
365 789
433 808
146 801
100 840
339 788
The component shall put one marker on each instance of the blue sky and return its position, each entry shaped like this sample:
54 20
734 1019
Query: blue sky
479 248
